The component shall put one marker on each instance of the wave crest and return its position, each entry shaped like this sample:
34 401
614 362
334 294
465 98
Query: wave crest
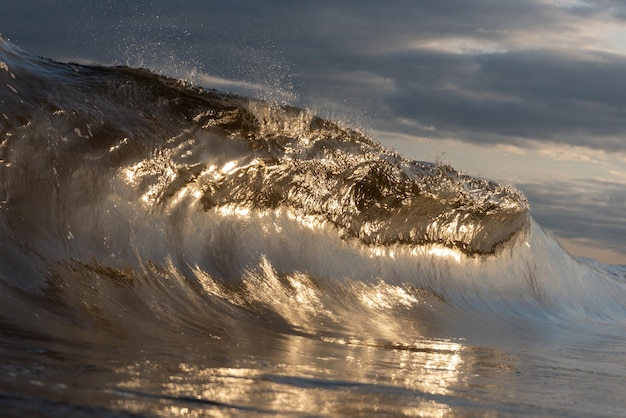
175 144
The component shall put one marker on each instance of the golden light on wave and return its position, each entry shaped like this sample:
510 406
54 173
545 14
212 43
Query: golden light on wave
234 210
444 252
385 296
311 222
229 167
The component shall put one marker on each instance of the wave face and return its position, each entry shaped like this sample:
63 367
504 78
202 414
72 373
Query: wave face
166 246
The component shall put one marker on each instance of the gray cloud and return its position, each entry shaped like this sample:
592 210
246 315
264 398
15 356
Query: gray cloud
587 208
535 95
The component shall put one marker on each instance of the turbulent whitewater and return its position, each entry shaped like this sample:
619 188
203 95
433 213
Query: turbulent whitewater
168 248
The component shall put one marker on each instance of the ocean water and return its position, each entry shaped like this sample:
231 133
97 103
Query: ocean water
169 250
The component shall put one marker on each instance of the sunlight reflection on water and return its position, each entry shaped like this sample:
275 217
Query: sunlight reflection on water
423 374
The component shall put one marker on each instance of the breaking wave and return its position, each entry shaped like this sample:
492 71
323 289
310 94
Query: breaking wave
136 206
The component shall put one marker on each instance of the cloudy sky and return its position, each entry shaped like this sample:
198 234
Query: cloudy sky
531 93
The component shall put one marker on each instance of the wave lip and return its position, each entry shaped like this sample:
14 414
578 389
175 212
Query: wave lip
368 192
